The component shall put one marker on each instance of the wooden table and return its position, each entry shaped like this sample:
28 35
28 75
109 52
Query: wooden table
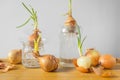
22 73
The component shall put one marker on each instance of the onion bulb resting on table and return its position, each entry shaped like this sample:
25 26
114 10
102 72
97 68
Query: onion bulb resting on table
15 56
47 62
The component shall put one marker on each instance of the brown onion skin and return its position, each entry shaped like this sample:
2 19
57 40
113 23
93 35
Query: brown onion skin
48 63
94 55
83 70
70 21
107 61
33 37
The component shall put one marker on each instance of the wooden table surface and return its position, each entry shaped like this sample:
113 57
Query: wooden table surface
22 73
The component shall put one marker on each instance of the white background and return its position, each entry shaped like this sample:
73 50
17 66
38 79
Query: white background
100 21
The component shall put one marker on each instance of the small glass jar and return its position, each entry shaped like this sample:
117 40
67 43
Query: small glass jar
28 60
68 45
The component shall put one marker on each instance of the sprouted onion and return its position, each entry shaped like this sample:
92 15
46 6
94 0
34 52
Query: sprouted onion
36 31
84 62
70 23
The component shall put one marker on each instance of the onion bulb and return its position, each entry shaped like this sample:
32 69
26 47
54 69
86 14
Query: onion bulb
84 63
33 17
94 55
33 37
107 61
15 56
48 62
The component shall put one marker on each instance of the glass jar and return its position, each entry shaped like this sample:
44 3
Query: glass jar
68 45
28 60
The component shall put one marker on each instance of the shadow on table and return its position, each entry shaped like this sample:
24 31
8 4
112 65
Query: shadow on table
117 67
65 69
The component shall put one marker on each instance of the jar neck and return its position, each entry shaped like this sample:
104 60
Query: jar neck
70 29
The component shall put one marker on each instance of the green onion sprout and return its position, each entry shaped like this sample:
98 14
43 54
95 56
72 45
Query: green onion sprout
33 16
80 41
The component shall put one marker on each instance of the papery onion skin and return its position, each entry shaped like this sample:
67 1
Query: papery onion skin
74 61
15 56
107 61
82 69
48 63
94 55
84 63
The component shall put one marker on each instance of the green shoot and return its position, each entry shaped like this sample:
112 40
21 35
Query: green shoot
24 23
33 16
70 7
80 42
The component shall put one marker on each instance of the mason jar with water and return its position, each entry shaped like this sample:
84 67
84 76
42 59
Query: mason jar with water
68 42
28 59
